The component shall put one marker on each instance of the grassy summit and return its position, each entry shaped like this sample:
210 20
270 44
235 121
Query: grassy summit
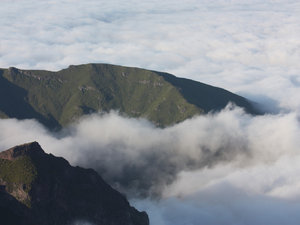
57 98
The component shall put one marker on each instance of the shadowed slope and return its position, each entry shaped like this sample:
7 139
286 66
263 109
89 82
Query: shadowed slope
14 104
12 212
207 97
57 193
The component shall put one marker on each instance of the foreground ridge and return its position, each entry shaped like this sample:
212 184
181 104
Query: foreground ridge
39 188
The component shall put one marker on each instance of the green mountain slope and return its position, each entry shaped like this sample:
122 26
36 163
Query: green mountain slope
57 98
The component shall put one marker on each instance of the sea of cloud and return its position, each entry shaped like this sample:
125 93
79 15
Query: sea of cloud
250 47
224 168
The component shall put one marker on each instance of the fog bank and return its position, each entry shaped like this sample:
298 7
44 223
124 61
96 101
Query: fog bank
223 168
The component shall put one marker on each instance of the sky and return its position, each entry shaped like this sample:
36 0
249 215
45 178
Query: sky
226 168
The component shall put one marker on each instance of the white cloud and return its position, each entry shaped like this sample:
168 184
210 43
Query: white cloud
249 47
225 168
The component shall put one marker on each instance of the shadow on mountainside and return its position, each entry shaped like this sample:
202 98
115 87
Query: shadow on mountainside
207 97
13 104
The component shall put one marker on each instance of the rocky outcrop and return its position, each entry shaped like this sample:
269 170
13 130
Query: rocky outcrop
54 192
22 150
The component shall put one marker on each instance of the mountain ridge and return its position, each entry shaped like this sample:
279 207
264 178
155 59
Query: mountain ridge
47 190
58 98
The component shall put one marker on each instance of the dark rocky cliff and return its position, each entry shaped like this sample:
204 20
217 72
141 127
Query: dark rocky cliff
39 188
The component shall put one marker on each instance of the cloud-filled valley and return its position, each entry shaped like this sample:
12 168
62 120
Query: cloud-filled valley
223 168
228 164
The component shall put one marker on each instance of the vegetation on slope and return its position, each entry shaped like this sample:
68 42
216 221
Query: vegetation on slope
19 171
18 176
57 98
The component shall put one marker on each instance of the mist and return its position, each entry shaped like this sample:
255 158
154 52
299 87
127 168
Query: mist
222 168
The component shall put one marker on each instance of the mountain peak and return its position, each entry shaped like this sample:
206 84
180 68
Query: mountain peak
21 150
54 192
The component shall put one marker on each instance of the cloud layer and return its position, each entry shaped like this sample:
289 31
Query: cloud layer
224 168
249 47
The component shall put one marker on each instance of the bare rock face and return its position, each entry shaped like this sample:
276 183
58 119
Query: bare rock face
50 191
22 150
